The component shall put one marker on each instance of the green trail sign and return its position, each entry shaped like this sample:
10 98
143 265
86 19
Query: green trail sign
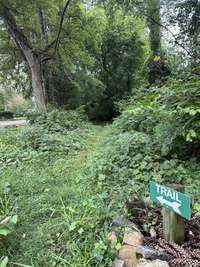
178 202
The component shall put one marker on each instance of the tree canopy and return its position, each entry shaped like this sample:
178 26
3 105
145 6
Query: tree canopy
72 53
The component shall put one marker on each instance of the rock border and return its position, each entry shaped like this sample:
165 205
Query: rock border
133 239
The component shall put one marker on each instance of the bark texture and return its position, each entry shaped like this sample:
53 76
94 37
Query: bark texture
154 26
32 58
157 67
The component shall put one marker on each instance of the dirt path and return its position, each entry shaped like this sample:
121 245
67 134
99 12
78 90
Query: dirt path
12 123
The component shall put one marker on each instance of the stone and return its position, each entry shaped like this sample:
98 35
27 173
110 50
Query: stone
151 254
156 263
152 232
145 227
133 238
142 262
131 262
118 263
112 237
127 253
122 221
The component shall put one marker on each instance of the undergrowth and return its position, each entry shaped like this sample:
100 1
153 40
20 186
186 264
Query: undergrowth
63 220
68 179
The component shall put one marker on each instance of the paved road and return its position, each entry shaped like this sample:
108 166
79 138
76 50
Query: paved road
12 123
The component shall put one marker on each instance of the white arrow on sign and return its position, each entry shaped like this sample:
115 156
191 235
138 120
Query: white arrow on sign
174 205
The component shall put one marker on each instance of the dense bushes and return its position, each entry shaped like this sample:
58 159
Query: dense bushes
48 177
57 131
39 139
129 160
156 138
58 121
44 139
170 114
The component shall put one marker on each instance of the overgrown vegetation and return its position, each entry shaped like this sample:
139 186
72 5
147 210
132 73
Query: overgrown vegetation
155 138
69 178
65 64
62 219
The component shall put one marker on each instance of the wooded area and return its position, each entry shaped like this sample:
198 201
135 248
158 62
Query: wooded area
105 98
94 54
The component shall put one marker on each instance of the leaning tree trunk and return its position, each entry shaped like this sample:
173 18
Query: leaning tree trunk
31 57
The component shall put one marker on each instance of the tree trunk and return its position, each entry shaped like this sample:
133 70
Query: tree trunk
195 36
31 57
158 69
153 11
48 74
38 83
153 7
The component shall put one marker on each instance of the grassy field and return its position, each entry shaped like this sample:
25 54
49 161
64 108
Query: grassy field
63 218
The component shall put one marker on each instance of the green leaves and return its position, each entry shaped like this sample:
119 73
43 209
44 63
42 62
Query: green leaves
56 132
192 111
4 262
191 135
7 225
4 231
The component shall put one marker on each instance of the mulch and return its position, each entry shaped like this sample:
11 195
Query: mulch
149 220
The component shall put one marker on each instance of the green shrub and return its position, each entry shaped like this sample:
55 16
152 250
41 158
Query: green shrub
38 138
142 119
179 130
58 121
128 161
32 116
153 138
56 131
171 115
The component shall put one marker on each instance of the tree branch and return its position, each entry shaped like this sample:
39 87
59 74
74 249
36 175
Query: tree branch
43 23
15 31
61 25
172 34
49 46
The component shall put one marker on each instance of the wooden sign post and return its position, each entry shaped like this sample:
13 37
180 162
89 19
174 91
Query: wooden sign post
176 206
173 223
